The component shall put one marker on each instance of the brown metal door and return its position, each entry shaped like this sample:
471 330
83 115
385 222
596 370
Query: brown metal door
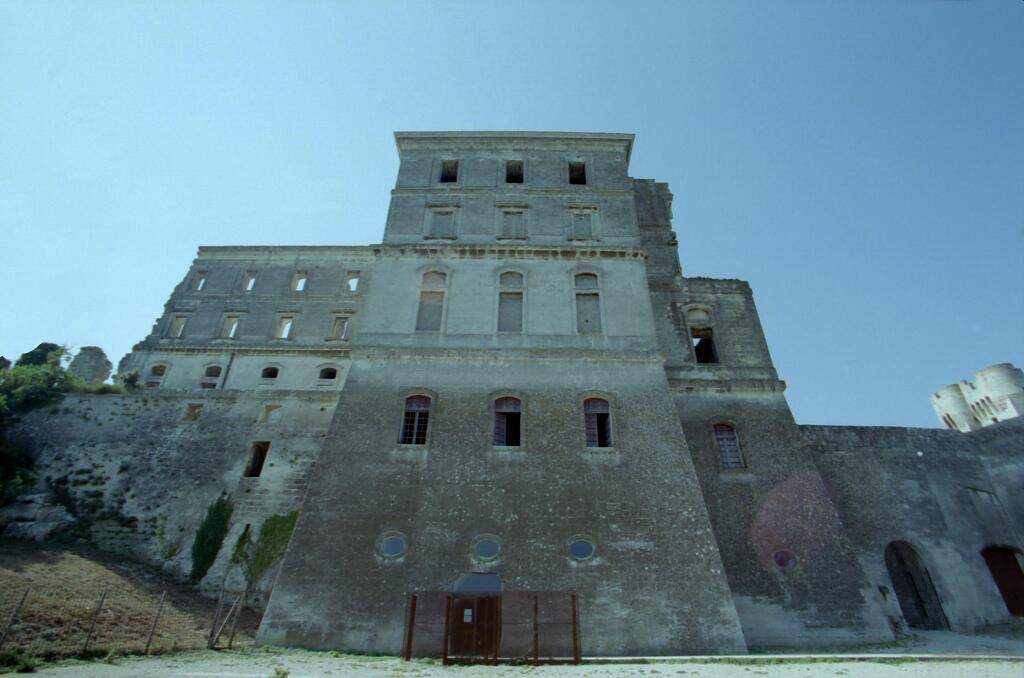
475 627
1006 571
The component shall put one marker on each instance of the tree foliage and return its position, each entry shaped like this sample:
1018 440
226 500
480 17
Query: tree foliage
256 556
210 537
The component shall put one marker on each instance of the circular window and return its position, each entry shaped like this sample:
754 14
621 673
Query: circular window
486 548
784 560
392 546
581 549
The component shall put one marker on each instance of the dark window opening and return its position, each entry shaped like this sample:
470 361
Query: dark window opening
158 370
213 371
328 373
415 421
208 384
507 422
449 171
514 172
704 345
258 458
577 173
728 446
598 422
269 373
1005 565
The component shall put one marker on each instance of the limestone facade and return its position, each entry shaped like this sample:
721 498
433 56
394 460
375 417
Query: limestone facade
523 362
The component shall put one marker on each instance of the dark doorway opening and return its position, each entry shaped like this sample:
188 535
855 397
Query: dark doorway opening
474 618
915 592
1005 565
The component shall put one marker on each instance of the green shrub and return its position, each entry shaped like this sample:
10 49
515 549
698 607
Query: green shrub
256 556
210 537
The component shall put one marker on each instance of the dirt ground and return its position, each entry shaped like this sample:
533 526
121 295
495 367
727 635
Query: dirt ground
296 664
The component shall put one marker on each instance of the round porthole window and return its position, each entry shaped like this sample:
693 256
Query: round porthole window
486 548
784 560
581 549
392 546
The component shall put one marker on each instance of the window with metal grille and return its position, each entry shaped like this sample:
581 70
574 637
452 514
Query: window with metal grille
415 421
598 422
577 173
514 172
508 414
449 171
728 446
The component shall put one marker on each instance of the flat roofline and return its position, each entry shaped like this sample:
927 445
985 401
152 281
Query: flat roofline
624 138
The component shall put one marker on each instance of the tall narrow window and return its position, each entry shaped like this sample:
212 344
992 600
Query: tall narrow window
177 330
415 421
339 328
431 308
728 446
257 459
513 225
442 224
199 281
703 345
211 377
352 281
230 328
577 173
510 302
582 225
449 171
249 281
598 422
299 281
588 304
284 327
508 414
514 172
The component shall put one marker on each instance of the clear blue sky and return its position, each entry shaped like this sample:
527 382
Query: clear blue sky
860 163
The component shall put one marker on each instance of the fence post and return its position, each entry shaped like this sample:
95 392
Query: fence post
536 633
410 622
216 618
14 616
447 618
92 625
156 618
575 629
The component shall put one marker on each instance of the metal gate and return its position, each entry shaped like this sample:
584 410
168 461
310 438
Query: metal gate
532 627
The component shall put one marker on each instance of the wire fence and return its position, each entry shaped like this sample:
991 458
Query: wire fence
50 623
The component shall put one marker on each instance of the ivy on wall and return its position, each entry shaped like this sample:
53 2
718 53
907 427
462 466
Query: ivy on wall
256 556
210 537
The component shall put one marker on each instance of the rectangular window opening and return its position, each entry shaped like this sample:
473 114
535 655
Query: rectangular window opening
299 281
599 429
199 282
284 328
178 326
258 459
449 171
249 281
414 428
582 226
428 318
510 312
193 411
513 225
514 172
442 224
704 345
578 173
339 330
507 429
230 327
352 281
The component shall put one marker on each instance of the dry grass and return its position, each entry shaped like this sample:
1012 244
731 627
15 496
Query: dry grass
65 587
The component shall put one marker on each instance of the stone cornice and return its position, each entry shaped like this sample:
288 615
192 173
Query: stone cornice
248 252
726 385
457 251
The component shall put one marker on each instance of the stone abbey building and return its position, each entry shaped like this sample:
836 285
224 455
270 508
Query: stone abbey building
520 380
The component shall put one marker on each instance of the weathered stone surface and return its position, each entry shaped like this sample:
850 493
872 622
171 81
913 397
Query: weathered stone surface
91 365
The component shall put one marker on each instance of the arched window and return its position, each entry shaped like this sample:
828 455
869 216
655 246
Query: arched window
597 422
431 309
415 421
158 370
270 372
508 414
211 377
329 373
728 446
588 304
213 371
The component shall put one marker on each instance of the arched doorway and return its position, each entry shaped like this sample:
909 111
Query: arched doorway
914 589
474 619
1004 564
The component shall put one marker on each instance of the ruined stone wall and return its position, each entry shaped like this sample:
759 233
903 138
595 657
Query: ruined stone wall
929 488
140 473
